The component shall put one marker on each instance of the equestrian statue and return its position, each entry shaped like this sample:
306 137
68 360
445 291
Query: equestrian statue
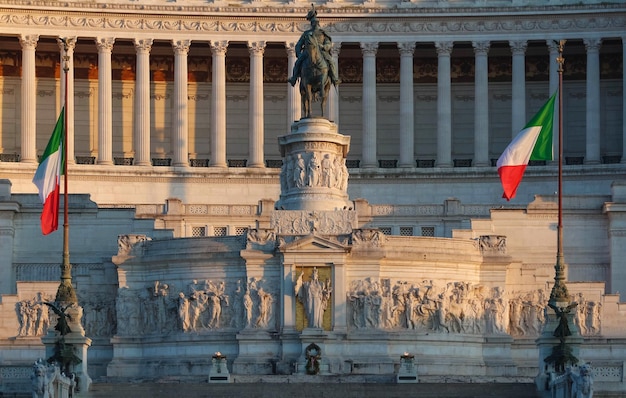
314 66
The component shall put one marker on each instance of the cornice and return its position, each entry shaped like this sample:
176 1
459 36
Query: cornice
156 20
327 10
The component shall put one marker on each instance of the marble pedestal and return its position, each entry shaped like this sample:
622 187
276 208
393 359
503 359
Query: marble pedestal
219 370
407 373
314 175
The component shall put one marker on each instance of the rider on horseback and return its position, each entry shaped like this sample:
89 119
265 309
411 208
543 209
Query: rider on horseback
324 48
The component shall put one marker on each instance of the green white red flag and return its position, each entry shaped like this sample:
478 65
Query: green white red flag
48 176
534 142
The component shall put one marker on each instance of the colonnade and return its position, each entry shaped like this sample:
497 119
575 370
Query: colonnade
179 133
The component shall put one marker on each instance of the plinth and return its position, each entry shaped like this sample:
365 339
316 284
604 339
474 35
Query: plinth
314 175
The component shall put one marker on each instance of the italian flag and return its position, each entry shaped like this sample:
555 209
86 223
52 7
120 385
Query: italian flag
534 142
48 176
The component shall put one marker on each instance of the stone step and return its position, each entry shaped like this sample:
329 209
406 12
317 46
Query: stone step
312 390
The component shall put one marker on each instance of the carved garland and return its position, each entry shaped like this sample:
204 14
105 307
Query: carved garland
26 18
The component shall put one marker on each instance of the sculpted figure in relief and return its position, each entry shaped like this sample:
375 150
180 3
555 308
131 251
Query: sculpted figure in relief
315 296
299 172
313 171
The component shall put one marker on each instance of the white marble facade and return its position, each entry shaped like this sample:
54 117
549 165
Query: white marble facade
429 262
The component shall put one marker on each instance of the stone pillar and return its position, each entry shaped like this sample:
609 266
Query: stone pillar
616 212
444 104
407 116
288 298
340 307
256 137
68 100
481 104
29 100
105 100
369 104
518 91
293 93
142 103
592 155
180 131
623 99
218 105
8 209
553 46
333 95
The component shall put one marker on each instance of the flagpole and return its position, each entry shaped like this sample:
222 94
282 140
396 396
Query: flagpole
559 290
65 293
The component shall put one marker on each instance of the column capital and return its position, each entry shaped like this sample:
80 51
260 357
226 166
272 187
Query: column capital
518 47
67 43
335 48
481 47
290 46
105 44
219 46
369 48
553 45
29 41
406 48
181 47
143 45
444 47
256 47
592 45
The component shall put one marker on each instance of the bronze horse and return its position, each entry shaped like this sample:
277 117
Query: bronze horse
314 80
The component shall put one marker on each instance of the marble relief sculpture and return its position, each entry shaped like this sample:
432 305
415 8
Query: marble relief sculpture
456 307
315 296
33 316
317 169
206 306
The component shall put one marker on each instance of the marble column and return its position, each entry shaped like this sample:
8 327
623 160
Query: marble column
218 104
553 46
256 121
481 104
444 104
142 103
407 116
105 100
623 99
68 100
294 110
180 130
369 105
592 155
518 91
333 96
29 100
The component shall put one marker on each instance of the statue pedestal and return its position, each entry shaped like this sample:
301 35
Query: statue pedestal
547 343
408 369
219 371
80 346
314 175
77 341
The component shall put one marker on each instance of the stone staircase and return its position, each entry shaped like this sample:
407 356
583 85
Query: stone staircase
310 387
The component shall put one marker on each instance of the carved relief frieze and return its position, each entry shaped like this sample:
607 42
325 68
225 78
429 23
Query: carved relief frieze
303 222
368 237
33 316
452 307
315 169
200 307
492 244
